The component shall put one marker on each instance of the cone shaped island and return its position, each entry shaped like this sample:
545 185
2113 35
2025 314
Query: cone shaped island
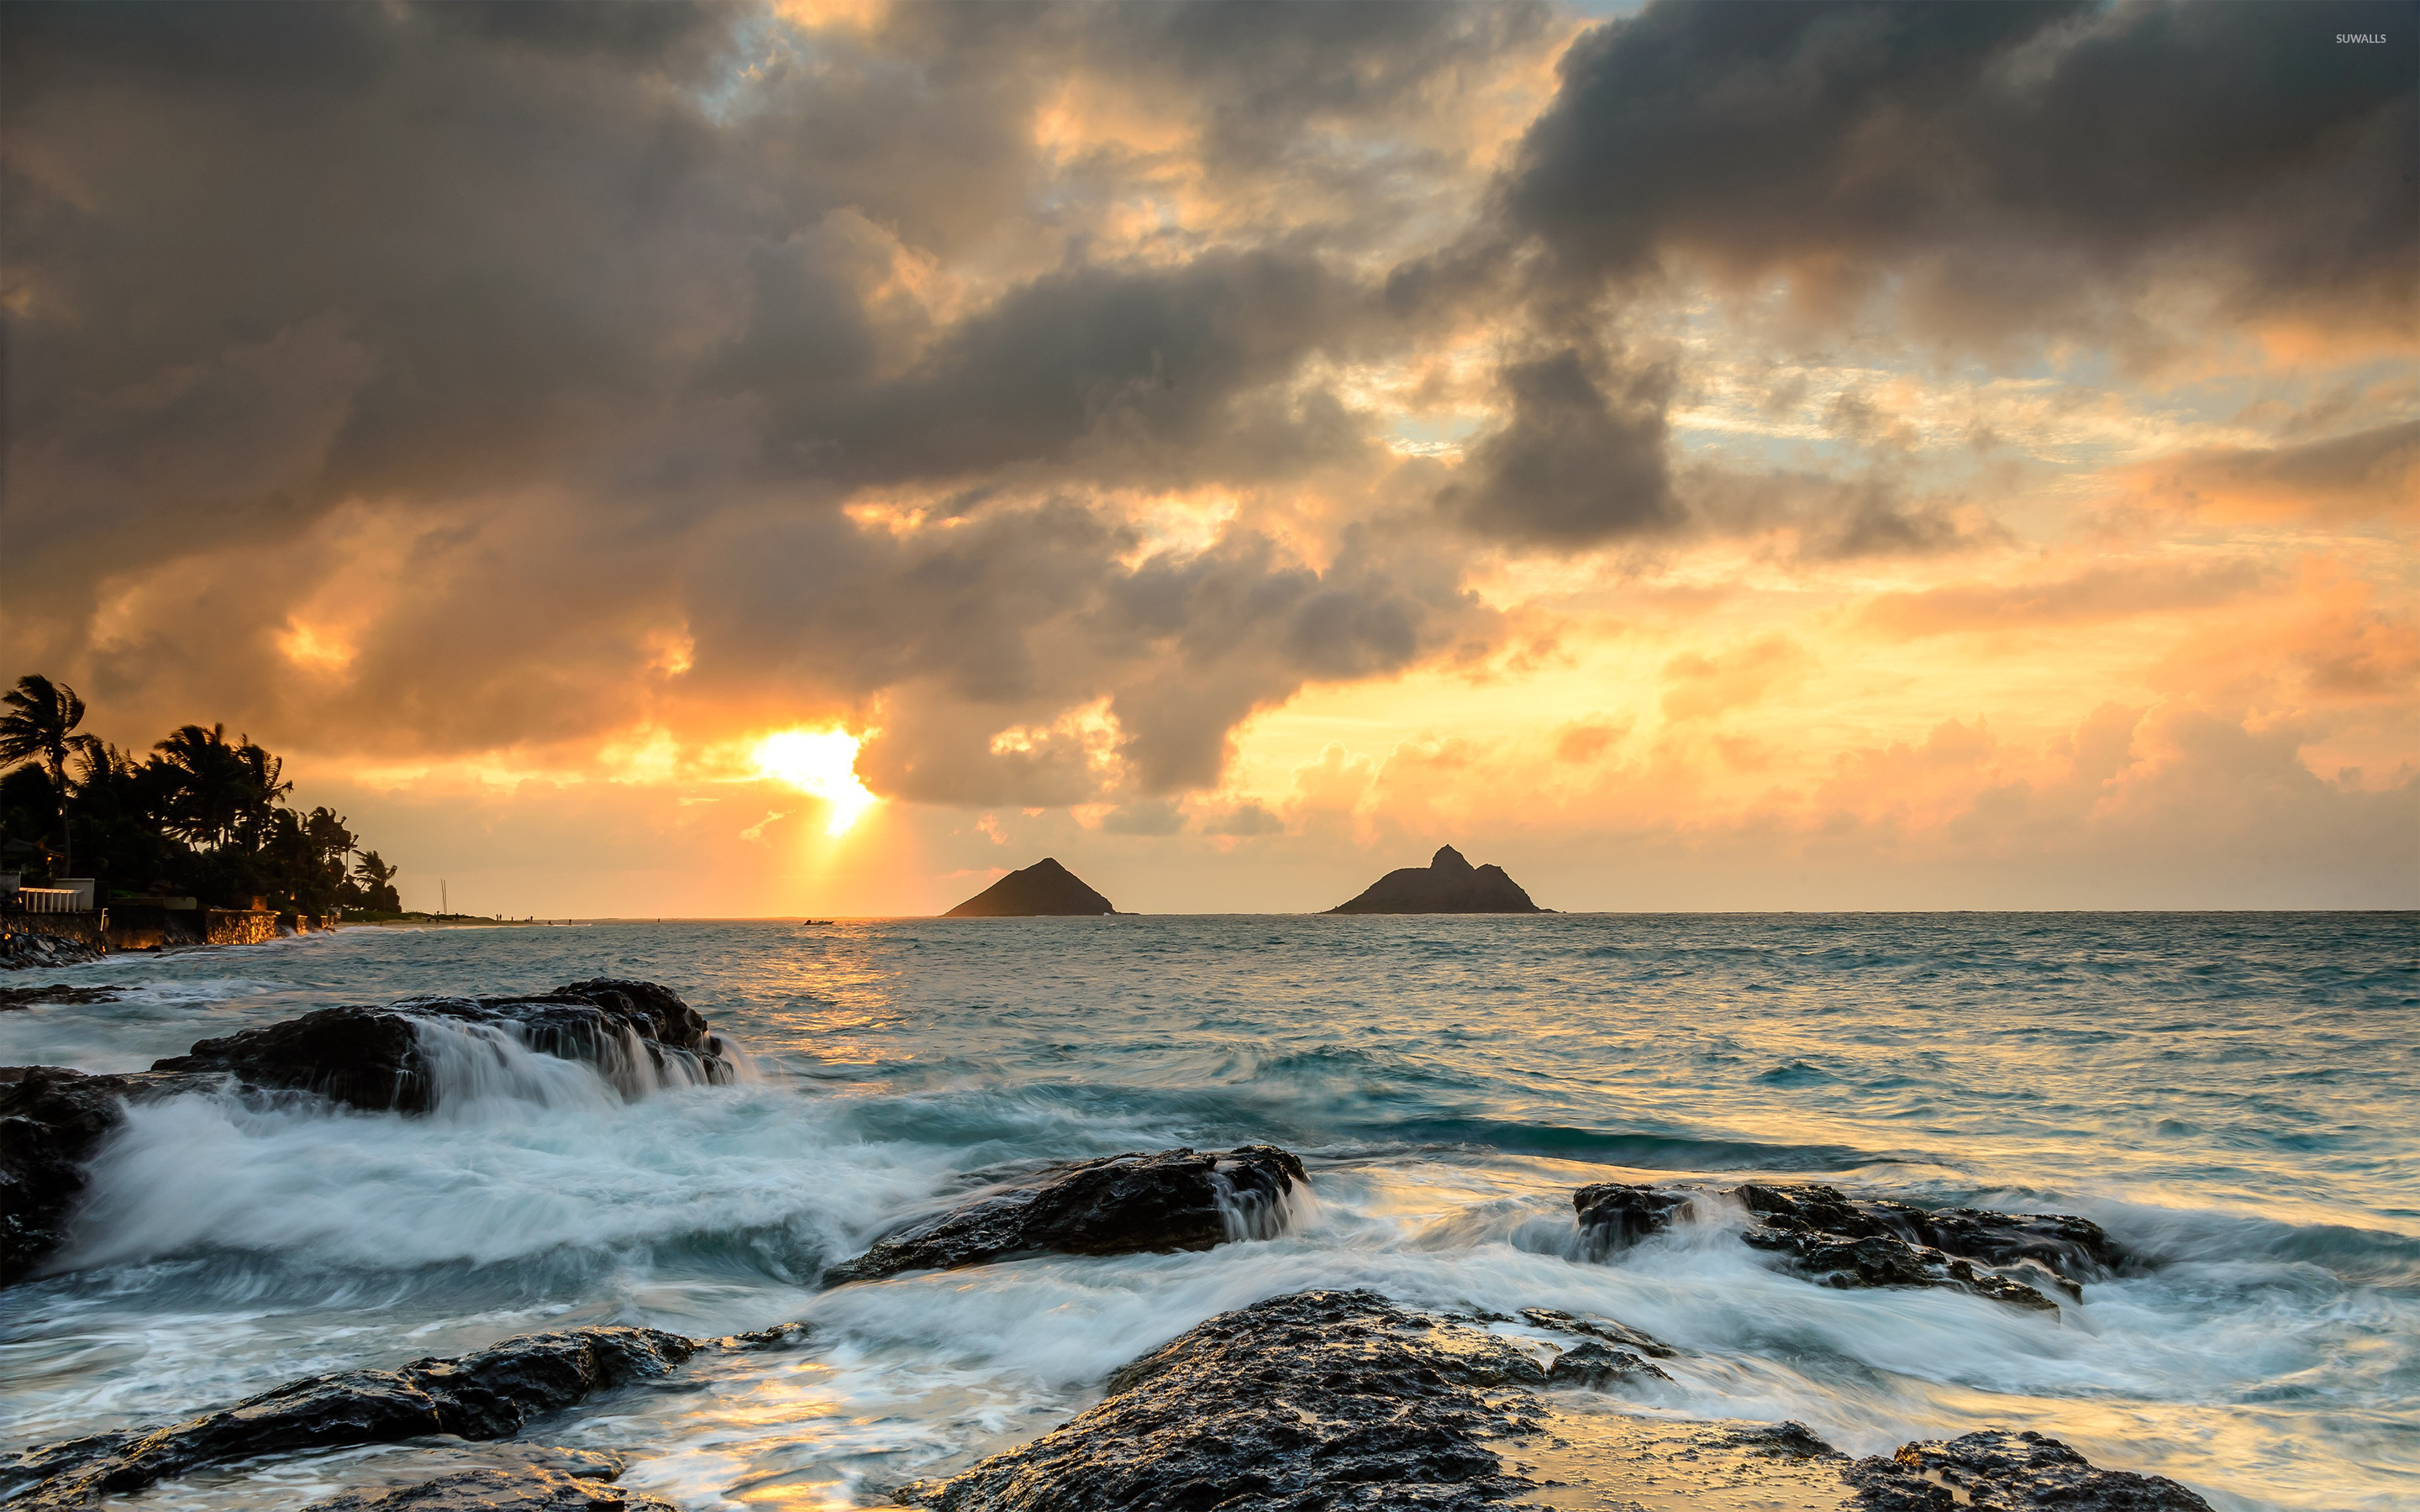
1447 884
1045 888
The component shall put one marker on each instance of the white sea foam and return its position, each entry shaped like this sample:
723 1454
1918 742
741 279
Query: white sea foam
2268 1358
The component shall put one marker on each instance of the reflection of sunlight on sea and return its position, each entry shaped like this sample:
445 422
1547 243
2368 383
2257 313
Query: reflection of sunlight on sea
2221 1091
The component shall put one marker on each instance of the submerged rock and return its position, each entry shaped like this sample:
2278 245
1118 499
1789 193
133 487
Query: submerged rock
636 1034
1343 1401
1597 1328
1178 1199
485 1489
2000 1472
489 1395
55 993
1447 884
1043 889
1861 1241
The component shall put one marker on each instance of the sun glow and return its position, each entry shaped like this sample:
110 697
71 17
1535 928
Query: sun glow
822 763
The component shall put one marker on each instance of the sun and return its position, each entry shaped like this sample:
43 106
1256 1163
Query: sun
823 763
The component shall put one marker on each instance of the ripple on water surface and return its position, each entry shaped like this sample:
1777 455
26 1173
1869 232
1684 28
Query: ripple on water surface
2229 1094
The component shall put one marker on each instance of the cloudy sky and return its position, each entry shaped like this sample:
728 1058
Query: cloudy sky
754 459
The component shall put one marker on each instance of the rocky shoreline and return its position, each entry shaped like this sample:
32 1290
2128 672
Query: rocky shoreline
1327 1399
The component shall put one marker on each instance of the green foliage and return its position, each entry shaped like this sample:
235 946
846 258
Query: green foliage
200 815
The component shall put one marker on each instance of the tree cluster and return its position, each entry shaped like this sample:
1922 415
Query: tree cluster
198 815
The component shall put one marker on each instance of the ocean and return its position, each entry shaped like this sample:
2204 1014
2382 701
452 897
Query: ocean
2234 1096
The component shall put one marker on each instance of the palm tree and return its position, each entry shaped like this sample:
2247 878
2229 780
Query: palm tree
40 726
207 785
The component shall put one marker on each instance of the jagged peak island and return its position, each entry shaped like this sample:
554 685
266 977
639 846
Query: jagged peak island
1447 884
1045 888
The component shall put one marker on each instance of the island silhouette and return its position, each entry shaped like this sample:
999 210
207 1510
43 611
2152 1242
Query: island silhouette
1447 884
1045 889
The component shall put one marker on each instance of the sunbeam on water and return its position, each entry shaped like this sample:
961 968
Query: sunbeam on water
2228 1095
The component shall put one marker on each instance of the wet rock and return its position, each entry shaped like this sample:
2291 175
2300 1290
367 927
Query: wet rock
1598 1366
530 1489
1343 1401
24 949
1178 1199
1447 884
1598 1328
1322 1400
376 1057
1868 1242
52 1119
31 996
1614 1216
487 1394
1783 1440
2000 1472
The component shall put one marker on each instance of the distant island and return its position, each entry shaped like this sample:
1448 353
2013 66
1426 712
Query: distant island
1447 884
1044 888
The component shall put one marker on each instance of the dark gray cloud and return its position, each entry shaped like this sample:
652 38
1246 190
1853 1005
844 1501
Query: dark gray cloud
2021 162
1998 170
605 300
1580 458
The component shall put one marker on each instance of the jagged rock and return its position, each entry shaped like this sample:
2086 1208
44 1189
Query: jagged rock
1178 1199
1447 884
1330 1401
1598 1328
1614 1216
1045 888
1861 1241
55 993
487 1394
1320 1399
484 1490
1872 1242
23 949
374 1058
2000 1472
1599 1365
51 1118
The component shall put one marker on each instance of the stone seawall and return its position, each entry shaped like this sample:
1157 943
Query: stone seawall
88 928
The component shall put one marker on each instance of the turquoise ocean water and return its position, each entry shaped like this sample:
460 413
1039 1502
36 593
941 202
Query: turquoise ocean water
2236 1097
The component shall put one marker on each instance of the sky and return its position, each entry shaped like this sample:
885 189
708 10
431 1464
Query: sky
813 457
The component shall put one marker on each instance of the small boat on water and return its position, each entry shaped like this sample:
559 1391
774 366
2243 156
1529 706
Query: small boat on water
813 923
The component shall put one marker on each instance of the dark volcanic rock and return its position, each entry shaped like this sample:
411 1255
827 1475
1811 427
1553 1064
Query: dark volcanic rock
51 1121
487 1394
1447 884
1871 1243
1599 1365
635 1033
1178 1199
1324 1399
1598 1328
30 996
1614 1216
531 1489
1045 888
1999 1471
1862 1241
1330 1401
